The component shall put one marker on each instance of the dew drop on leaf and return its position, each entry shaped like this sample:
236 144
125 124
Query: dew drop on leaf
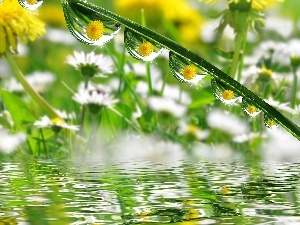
31 4
184 70
270 122
250 109
139 47
223 93
87 25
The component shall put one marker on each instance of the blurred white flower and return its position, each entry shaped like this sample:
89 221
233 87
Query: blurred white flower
280 146
273 23
279 52
56 124
93 86
251 74
94 97
189 129
64 115
241 138
166 105
91 64
174 92
136 149
139 69
280 106
10 142
227 122
60 36
215 152
266 49
39 80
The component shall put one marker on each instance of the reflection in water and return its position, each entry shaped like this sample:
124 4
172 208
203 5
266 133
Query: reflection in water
93 192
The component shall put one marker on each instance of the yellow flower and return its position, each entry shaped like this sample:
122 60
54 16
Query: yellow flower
256 4
189 72
145 49
228 95
17 22
187 20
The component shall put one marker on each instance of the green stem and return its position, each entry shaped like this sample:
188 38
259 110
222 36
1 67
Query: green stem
150 89
86 83
33 94
294 90
242 56
236 55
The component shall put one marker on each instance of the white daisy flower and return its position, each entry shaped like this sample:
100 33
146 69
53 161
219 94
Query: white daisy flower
94 99
56 124
10 142
160 104
91 64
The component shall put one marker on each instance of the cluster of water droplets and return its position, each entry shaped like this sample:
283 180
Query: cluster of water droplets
31 4
93 28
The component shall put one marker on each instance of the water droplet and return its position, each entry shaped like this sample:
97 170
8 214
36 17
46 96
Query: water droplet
139 47
184 70
250 109
31 4
270 122
223 93
88 26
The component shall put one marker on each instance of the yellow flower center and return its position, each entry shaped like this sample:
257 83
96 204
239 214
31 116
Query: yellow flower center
95 30
228 95
271 123
251 109
145 49
31 2
189 72
265 74
57 121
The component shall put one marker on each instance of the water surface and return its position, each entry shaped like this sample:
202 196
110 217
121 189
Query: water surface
143 192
